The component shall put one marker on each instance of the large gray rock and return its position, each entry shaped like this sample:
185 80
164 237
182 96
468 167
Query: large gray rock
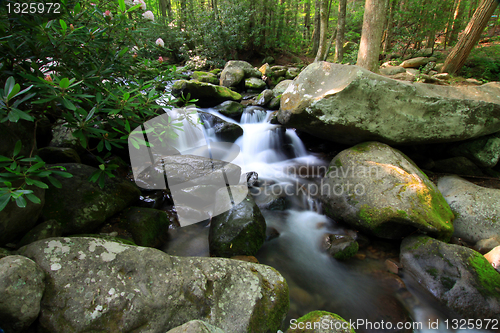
240 230
98 285
16 221
460 278
207 94
377 189
81 206
235 71
349 104
196 326
21 289
476 208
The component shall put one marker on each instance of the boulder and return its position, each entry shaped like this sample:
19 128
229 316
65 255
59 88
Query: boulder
240 230
224 130
205 77
320 322
81 206
47 229
460 278
103 286
255 83
484 151
349 104
207 94
16 221
377 189
148 226
235 71
21 289
476 208
230 109
196 326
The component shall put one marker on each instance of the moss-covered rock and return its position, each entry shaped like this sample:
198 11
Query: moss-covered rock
239 231
377 189
103 286
81 206
460 278
320 322
148 226
207 94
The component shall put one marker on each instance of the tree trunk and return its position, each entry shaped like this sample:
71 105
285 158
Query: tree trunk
470 36
371 35
320 55
317 24
339 43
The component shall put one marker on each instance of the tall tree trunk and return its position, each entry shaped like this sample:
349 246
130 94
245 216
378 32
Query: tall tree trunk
317 25
320 55
389 29
307 20
339 43
470 36
371 35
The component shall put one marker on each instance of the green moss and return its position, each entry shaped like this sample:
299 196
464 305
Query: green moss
488 277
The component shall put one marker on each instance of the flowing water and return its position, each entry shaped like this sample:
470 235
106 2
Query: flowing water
361 289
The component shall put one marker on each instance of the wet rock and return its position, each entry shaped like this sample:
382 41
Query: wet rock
348 104
460 278
314 322
196 326
207 94
59 155
110 287
476 208
493 258
239 231
148 226
484 151
230 109
47 229
16 221
340 247
235 71
457 165
86 206
255 83
21 289
205 77
376 189
224 130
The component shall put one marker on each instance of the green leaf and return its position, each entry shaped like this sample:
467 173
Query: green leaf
17 148
64 82
33 198
21 202
122 5
4 200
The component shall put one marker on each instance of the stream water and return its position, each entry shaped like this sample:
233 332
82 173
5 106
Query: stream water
361 289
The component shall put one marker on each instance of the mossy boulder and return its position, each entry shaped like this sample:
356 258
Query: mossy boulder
148 226
207 94
476 208
460 278
103 286
378 190
320 322
81 206
240 230
205 77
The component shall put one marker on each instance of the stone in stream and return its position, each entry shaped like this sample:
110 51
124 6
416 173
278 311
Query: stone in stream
81 206
349 104
21 289
99 285
241 230
476 208
378 190
320 322
459 278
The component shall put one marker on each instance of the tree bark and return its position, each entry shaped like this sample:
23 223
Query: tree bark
371 35
339 43
320 55
470 37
